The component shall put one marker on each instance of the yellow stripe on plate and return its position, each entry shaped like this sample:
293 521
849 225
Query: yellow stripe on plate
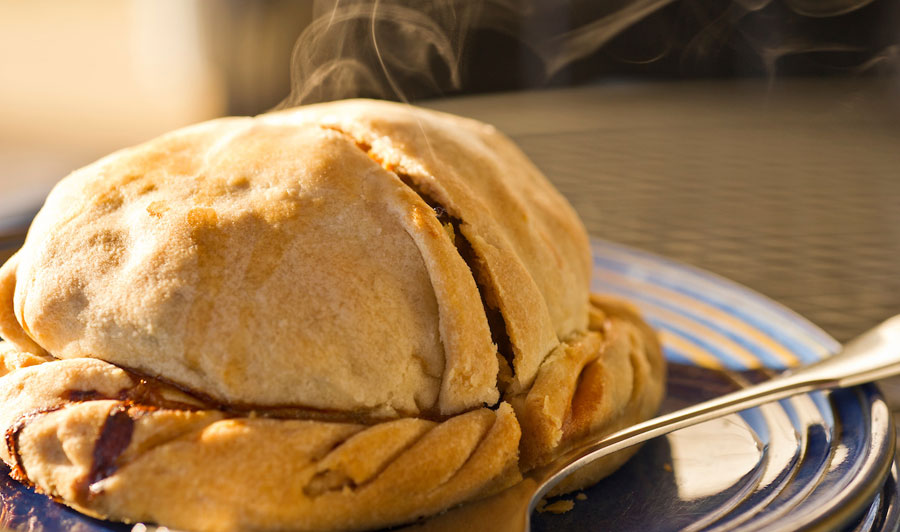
690 350
711 313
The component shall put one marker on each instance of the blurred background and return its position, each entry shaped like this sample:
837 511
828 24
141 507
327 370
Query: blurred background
759 139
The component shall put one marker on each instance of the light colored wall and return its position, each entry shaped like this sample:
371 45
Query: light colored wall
81 79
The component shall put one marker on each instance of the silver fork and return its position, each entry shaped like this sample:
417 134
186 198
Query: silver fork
871 356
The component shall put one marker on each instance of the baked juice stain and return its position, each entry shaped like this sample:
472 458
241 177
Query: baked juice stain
586 400
12 443
115 436
215 242
209 240
270 229
80 396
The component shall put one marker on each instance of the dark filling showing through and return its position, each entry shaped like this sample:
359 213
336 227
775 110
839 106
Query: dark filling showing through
495 319
115 436
483 281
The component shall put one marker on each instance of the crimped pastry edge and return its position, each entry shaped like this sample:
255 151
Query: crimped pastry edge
485 443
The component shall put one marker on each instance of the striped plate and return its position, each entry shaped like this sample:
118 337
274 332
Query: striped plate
820 461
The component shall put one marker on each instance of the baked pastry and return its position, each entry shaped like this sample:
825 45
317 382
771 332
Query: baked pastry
342 316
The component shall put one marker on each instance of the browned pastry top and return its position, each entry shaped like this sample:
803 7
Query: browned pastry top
354 256
340 317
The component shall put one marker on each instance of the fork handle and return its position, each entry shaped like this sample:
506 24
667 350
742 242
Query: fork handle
873 355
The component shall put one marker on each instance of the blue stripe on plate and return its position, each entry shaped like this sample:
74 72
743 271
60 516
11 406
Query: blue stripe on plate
767 357
727 359
814 333
673 355
713 297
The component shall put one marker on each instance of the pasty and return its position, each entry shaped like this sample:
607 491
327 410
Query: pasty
342 316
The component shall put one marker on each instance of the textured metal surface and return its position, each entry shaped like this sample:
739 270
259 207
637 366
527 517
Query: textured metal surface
810 218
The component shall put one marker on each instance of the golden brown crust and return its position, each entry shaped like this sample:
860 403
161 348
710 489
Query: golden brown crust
9 327
525 236
331 213
401 288
598 383
194 468
161 278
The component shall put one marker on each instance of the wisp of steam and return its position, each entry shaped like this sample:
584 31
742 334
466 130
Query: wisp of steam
398 49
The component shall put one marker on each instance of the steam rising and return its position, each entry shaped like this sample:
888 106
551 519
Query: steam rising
362 48
562 50
401 49
825 8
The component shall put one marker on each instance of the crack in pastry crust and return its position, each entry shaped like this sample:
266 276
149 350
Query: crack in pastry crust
481 276
521 290
359 312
